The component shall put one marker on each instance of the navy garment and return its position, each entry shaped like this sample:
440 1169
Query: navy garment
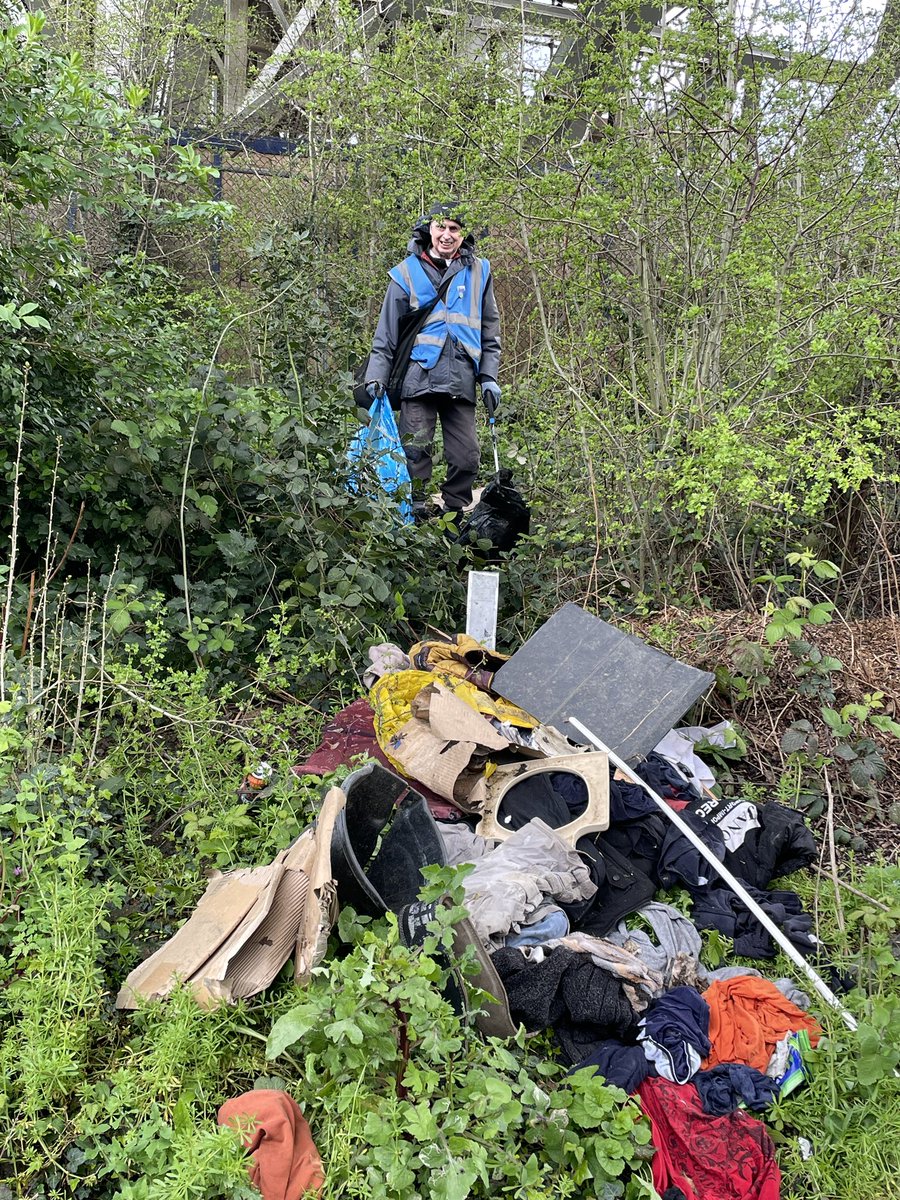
624 1066
640 831
682 863
596 864
573 790
782 844
554 796
719 908
678 1017
639 840
583 1003
627 800
723 1087
666 780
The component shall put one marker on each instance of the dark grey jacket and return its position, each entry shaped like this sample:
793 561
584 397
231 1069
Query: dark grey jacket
454 372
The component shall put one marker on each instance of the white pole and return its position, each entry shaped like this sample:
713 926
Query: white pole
734 883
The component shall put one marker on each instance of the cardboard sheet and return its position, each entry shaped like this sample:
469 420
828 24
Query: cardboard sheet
449 768
225 903
257 950
247 924
451 719
320 913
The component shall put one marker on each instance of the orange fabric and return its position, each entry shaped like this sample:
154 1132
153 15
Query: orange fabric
286 1163
747 1016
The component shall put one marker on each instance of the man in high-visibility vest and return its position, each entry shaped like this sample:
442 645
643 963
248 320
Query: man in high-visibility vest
457 347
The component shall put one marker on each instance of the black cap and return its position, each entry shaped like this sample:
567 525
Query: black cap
451 210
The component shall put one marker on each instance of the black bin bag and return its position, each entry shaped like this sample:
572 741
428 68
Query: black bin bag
501 516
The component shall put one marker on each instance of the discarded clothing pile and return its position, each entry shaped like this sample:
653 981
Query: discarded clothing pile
566 854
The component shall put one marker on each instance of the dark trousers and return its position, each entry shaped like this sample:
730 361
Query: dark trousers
418 421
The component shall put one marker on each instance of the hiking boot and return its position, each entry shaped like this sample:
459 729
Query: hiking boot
424 510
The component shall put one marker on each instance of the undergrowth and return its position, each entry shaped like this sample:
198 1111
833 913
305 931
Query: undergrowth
191 585
105 848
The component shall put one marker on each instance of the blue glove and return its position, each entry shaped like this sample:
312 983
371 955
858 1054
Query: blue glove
490 394
374 389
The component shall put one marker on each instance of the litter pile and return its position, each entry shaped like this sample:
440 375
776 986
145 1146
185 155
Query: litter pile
475 762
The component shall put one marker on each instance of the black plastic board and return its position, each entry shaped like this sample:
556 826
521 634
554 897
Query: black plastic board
624 691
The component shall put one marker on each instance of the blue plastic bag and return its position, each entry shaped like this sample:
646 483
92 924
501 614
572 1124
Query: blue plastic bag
379 442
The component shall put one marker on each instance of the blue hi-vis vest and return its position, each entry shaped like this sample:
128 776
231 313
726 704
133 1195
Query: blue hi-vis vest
458 314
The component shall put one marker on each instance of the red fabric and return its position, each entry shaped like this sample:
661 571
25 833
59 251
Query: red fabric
286 1163
747 1016
351 732
709 1158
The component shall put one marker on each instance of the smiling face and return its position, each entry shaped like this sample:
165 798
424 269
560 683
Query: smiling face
446 237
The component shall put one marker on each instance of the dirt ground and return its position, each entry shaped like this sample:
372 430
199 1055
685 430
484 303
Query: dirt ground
732 644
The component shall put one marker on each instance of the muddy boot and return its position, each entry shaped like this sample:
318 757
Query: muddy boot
424 510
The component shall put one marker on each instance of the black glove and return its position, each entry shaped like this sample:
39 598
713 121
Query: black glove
375 389
490 394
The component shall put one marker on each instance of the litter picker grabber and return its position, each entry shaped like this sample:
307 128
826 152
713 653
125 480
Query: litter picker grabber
492 421
735 884
501 516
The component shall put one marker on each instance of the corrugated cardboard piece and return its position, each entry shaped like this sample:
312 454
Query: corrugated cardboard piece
445 744
247 924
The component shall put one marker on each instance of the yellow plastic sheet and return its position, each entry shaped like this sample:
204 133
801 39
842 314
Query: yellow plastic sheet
392 695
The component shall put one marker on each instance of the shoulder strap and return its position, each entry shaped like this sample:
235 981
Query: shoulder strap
410 326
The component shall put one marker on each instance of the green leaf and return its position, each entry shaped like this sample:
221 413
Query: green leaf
120 620
339 1030
208 505
845 752
855 712
796 737
420 1122
455 1183
825 569
290 1028
774 632
885 724
877 1056
128 428
864 771
835 722
820 614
